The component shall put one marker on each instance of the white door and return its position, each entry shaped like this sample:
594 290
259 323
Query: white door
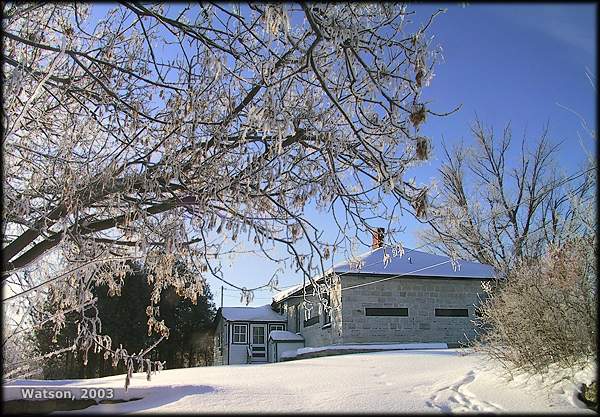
258 342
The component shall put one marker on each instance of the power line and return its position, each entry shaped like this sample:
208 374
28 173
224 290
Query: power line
243 289
531 233
383 279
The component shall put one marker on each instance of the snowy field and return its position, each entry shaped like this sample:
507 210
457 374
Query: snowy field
434 380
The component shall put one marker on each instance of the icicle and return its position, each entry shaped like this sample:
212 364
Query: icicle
247 296
386 259
398 250
357 263
454 261
307 306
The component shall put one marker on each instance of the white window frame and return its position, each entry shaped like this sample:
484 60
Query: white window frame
273 325
264 336
234 334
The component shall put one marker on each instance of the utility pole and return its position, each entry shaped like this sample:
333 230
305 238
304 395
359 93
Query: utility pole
221 296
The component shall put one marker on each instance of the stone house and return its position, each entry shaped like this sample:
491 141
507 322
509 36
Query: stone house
382 298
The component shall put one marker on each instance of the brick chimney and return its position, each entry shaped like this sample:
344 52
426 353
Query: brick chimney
378 238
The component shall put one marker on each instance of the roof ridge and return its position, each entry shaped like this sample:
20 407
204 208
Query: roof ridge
397 265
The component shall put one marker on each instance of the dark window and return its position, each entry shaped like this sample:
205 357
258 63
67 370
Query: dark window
403 312
311 321
327 314
451 312
297 318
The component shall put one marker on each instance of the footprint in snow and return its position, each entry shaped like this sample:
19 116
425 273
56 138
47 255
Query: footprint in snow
456 397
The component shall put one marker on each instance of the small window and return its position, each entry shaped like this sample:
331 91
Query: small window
451 312
311 321
400 312
327 314
240 333
277 327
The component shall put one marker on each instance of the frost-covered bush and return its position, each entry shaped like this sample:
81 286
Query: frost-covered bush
544 313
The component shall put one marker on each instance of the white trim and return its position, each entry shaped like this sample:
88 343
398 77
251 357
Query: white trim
262 346
234 333
272 325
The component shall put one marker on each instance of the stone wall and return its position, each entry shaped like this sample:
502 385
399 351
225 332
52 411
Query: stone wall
317 335
421 296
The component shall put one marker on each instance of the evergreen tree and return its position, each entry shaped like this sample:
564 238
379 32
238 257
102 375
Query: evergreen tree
124 318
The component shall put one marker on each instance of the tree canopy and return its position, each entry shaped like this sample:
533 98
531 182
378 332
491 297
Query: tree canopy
159 133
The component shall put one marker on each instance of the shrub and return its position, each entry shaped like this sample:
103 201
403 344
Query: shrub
544 311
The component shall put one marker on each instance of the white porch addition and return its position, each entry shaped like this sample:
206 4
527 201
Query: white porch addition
241 334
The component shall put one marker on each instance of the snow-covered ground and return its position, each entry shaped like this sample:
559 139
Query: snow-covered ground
432 380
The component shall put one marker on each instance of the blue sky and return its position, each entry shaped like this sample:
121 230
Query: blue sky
504 63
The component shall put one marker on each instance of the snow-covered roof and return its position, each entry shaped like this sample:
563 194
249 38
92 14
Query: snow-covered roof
262 313
285 335
414 262
411 263
283 294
